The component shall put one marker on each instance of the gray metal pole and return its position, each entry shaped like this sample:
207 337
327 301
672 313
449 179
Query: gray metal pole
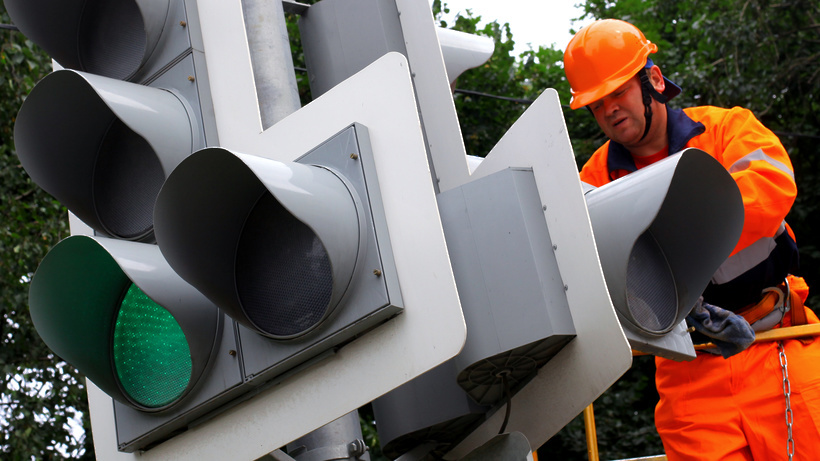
270 56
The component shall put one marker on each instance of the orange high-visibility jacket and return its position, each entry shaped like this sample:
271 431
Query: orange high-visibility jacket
761 167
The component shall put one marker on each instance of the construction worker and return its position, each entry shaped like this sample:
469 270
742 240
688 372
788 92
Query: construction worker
730 403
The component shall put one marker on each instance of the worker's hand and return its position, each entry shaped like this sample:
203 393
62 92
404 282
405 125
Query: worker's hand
730 332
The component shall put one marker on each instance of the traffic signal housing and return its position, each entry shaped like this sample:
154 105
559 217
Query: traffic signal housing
129 100
293 251
109 147
510 286
124 40
661 233
515 307
431 409
342 37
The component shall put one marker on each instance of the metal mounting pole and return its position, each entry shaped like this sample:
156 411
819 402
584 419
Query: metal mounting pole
338 440
272 64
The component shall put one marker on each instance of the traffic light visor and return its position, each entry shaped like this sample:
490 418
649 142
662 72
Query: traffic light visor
87 306
106 37
661 233
273 244
103 147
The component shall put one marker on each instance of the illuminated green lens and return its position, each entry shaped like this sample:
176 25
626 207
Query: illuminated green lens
151 354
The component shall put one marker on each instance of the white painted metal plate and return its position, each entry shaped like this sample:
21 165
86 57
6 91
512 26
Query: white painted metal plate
444 140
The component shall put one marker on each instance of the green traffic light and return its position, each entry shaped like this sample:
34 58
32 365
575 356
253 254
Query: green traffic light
151 354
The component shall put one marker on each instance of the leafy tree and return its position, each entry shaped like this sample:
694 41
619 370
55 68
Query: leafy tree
41 395
490 98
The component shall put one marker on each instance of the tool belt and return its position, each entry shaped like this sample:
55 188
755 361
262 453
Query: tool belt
776 303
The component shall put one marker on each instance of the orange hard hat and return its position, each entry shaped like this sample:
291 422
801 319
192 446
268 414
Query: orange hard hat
603 56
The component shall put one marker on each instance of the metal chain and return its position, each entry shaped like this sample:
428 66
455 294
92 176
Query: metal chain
787 392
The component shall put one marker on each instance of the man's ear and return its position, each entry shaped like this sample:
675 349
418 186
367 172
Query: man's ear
656 77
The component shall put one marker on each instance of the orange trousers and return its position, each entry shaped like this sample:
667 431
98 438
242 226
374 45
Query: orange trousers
734 409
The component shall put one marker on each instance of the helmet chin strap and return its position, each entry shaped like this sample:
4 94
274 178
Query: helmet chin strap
647 93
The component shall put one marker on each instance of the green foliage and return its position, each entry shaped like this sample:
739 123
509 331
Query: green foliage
518 79
40 393
298 55
371 437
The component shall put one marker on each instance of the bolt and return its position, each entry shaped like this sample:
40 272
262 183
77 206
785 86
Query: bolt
232 353
191 78
183 23
357 448
377 272
354 156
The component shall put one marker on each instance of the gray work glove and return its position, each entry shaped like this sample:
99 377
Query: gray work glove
730 332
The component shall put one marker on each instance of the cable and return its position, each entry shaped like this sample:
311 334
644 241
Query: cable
494 96
506 386
530 101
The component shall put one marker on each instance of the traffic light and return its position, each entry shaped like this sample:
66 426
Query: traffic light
130 99
510 286
294 252
462 51
430 410
123 40
101 145
515 307
108 148
661 233
104 306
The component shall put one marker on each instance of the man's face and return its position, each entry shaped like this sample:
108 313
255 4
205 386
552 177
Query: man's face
621 113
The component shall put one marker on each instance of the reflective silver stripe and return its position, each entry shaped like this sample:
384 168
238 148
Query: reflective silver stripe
744 162
747 258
